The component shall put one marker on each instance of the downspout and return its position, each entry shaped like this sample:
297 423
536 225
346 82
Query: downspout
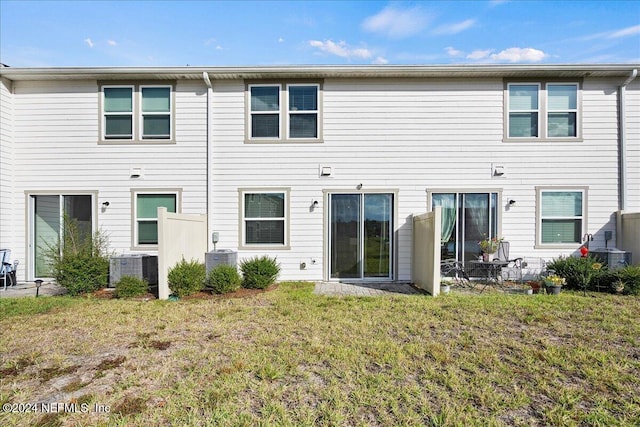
207 81
622 156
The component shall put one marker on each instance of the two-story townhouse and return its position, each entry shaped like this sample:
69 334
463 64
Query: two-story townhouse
322 166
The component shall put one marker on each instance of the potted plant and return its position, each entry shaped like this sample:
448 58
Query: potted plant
554 284
535 286
445 286
489 247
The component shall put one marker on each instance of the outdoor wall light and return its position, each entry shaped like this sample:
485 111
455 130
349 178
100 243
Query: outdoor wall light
105 204
359 186
315 203
512 202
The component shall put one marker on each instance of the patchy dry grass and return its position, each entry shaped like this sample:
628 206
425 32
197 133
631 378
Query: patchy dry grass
288 357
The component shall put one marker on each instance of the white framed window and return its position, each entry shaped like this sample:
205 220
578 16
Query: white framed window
284 112
155 112
524 108
118 109
145 213
137 113
265 111
542 111
562 110
264 218
303 111
562 216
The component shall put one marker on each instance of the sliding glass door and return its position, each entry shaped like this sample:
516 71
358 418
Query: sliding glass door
47 215
467 218
360 235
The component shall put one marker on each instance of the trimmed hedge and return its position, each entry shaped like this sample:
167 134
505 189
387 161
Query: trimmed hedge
130 286
259 272
223 279
186 278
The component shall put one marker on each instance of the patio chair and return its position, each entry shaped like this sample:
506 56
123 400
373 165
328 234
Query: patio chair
513 269
7 271
454 269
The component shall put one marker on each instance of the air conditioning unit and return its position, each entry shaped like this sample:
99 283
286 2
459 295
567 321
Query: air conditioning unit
612 257
221 256
142 266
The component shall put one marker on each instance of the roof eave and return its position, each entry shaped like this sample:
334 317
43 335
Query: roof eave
319 71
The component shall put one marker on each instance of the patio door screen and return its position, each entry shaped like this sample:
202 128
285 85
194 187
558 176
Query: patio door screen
47 215
360 235
467 218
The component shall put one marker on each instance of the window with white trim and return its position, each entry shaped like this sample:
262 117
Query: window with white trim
137 112
542 111
562 216
146 215
118 112
284 112
156 112
264 218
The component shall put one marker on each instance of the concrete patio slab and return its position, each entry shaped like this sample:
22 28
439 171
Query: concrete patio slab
365 289
28 289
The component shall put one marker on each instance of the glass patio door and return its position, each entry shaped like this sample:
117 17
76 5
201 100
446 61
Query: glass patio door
360 236
47 213
467 218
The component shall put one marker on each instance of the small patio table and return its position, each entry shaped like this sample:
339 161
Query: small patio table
492 271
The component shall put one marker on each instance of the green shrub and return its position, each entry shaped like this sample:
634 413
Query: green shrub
579 271
224 278
630 279
186 278
130 286
259 272
79 261
606 281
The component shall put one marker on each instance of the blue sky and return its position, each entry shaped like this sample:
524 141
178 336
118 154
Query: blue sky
237 33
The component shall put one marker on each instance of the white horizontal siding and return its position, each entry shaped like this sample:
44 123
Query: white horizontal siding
7 231
411 136
633 148
403 136
57 150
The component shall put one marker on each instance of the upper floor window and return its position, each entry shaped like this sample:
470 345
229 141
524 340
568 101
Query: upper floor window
284 112
137 113
542 111
118 112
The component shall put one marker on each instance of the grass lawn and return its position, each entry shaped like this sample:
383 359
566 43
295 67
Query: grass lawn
288 357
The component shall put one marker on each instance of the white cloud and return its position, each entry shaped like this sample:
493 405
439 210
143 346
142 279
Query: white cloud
629 31
380 61
341 49
513 54
280 40
479 54
616 34
451 51
518 54
455 28
89 42
397 23
112 43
